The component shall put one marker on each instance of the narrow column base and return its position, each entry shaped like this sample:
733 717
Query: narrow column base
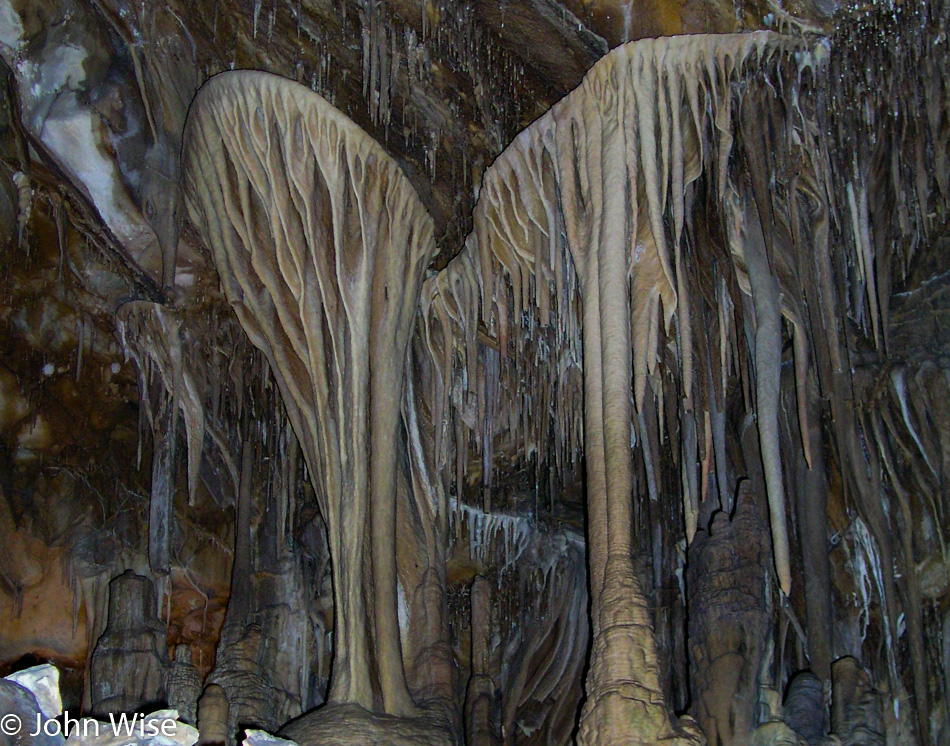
625 705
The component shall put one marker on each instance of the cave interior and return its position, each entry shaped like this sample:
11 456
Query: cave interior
485 372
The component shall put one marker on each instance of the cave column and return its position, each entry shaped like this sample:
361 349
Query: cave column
321 244
624 698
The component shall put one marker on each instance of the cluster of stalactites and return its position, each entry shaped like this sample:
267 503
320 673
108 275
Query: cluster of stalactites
487 382
511 300
380 61
223 396
888 142
151 336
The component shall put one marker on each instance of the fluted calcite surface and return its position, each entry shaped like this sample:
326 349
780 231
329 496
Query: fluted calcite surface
321 243
581 230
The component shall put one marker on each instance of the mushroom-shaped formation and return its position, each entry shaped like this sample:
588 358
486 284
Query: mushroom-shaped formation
321 244
583 231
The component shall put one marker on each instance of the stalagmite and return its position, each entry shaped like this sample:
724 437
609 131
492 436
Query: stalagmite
127 670
213 717
321 243
183 685
804 707
728 639
856 716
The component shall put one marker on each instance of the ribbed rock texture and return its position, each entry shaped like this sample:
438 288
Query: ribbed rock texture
321 244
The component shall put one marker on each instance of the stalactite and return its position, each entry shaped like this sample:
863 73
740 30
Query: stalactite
768 361
151 334
380 61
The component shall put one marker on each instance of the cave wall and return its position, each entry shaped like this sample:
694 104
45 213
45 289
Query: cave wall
767 213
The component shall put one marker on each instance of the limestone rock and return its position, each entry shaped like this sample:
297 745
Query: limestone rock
43 682
19 713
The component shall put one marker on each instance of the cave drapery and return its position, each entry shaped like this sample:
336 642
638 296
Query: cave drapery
655 453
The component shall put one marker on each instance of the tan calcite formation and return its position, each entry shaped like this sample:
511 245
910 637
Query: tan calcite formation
580 227
321 243
213 716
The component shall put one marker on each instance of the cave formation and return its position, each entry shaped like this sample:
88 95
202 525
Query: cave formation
532 372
